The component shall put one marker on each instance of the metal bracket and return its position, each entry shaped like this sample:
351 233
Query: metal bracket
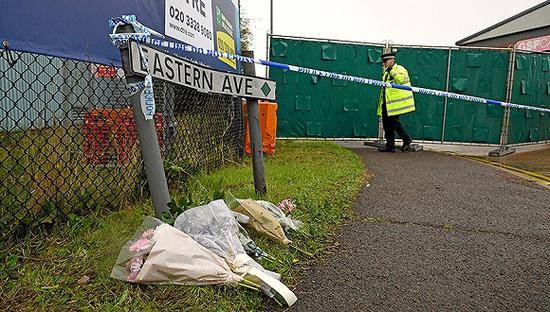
502 151
415 148
380 144
9 57
377 143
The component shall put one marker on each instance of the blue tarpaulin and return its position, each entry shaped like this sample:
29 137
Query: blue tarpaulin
78 29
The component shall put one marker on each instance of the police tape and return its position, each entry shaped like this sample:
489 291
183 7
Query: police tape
145 37
138 27
145 87
135 87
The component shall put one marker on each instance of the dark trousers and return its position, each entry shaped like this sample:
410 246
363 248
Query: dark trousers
391 125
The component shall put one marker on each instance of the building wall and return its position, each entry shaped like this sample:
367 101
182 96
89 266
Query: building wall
539 18
510 39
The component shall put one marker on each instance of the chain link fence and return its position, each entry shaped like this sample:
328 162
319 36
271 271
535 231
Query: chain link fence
69 145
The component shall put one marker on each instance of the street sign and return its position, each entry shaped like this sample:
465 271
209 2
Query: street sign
176 70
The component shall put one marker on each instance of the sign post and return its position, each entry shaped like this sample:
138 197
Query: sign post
177 70
255 133
149 145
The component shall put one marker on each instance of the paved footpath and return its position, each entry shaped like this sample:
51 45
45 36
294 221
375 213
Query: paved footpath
437 233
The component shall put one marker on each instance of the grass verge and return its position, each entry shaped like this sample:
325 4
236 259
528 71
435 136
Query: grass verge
69 268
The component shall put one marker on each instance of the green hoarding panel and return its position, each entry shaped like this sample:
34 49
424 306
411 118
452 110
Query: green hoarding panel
480 73
531 87
311 106
428 69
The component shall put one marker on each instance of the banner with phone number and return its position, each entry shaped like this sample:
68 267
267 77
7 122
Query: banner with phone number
77 30
209 24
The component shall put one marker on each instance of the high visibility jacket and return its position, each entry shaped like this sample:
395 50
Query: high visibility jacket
397 101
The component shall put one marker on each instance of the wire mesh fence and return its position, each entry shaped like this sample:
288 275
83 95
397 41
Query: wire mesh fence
69 145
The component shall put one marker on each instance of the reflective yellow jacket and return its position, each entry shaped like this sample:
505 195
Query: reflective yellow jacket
397 101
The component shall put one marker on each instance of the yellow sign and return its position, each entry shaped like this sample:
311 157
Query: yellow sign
226 44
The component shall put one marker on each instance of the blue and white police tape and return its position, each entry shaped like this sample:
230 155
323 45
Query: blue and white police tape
145 38
147 97
138 27
135 87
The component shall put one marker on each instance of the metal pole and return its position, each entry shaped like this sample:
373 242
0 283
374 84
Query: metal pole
268 37
267 52
509 91
240 31
149 145
267 43
504 149
271 17
255 133
446 100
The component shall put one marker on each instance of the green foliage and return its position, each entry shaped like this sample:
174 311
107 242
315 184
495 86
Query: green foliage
176 206
180 203
217 191
43 273
246 33
44 178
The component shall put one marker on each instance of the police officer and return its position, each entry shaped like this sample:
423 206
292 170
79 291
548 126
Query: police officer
394 102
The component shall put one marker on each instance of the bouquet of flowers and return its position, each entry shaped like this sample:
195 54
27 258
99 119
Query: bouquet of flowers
278 212
214 226
159 253
261 220
141 245
287 205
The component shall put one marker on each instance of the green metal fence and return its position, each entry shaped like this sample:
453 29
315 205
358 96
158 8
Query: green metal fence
427 68
324 108
312 106
531 86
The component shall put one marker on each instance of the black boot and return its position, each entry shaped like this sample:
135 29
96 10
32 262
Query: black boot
406 146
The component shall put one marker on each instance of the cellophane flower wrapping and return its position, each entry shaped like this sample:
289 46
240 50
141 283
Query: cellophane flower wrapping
159 253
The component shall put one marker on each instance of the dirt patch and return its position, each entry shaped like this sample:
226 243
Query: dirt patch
535 161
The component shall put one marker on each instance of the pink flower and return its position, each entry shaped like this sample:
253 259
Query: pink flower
132 276
148 234
140 245
134 266
287 205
